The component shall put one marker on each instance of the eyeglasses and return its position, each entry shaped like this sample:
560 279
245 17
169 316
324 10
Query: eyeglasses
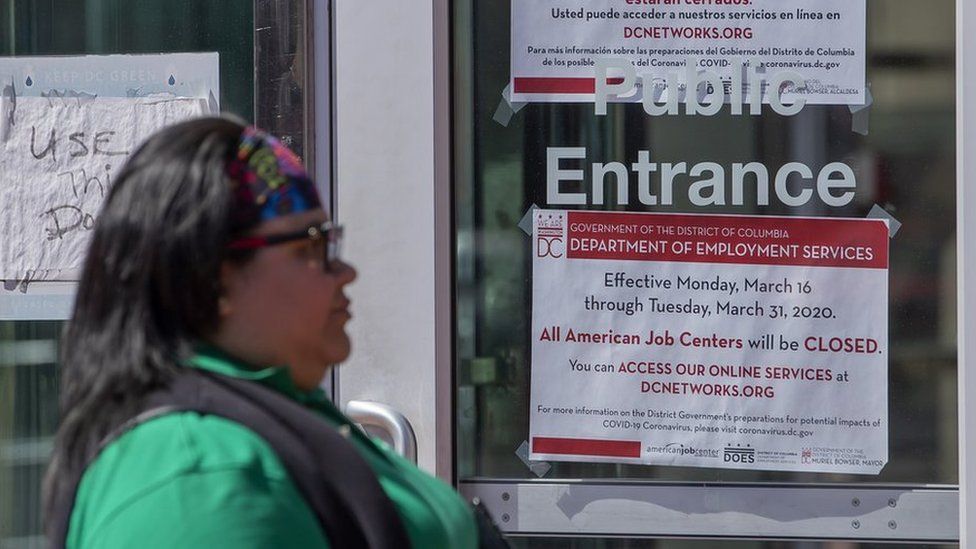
327 235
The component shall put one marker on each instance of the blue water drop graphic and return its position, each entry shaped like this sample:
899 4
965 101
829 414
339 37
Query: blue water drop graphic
172 80
30 82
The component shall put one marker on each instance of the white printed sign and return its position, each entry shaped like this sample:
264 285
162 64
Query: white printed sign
710 341
556 46
62 147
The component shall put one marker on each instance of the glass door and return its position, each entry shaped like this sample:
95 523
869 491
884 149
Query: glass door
262 78
898 142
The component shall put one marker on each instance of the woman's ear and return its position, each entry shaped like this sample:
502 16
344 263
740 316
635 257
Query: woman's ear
227 289
224 308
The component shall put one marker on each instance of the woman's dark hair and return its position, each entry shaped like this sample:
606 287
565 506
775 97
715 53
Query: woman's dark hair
149 288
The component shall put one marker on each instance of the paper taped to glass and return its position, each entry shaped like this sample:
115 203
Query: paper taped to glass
67 125
59 159
710 341
761 44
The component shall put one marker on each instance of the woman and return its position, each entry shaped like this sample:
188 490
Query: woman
213 270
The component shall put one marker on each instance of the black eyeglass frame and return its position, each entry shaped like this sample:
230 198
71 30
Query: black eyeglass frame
330 232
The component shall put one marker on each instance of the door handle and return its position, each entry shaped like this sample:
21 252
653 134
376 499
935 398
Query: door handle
388 420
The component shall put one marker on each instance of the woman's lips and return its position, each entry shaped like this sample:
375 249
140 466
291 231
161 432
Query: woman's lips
342 308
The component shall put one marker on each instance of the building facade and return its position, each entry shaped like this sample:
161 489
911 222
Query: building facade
406 115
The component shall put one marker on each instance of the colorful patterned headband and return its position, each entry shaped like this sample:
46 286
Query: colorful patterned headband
268 181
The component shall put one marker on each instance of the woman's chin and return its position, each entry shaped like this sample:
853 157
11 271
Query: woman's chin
338 349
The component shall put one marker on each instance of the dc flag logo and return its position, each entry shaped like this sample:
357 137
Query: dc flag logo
549 247
549 236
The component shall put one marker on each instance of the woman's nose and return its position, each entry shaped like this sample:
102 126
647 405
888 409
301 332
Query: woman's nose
346 273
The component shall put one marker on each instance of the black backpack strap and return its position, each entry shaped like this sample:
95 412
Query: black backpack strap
336 482
349 500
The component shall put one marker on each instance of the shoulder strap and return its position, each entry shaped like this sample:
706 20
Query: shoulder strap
349 499
328 471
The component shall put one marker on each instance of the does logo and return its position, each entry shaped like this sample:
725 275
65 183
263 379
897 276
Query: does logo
739 455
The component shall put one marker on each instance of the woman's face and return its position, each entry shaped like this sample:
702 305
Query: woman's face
282 308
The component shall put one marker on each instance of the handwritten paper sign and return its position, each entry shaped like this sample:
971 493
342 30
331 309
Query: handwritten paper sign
59 156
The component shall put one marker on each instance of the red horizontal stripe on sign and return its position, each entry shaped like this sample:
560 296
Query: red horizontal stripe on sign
559 85
587 447
728 239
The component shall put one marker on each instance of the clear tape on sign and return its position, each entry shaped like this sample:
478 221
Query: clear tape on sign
8 107
877 212
861 114
212 104
507 108
539 468
526 223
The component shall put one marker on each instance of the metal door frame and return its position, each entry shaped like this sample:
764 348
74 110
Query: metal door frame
966 253
728 510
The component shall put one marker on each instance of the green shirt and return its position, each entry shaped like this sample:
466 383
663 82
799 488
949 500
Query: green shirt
197 481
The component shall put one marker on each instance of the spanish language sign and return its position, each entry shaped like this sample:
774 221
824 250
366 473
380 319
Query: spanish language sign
710 341
67 126
556 46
